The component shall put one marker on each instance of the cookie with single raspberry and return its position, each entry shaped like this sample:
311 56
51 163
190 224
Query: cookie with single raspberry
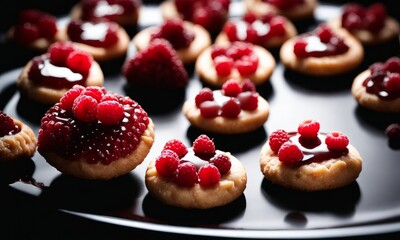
47 77
238 60
210 14
35 29
292 9
124 12
324 51
302 161
371 25
95 134
188 39
268 30
157 66
17 140
378 87
234 109
103 39
203 177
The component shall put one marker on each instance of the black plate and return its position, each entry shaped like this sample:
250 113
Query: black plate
371 205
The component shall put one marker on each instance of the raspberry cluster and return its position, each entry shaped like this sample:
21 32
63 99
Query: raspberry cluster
384 78
7 125
357 17
97 9
175 32
289 152
239 55
176 162
229 101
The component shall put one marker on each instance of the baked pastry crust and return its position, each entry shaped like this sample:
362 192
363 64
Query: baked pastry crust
230 187
316 176
303 11
100 54
247 121
47 95
324 66
390 31
204 67
18 146
168 10
82 169
273 42
369 100
188 55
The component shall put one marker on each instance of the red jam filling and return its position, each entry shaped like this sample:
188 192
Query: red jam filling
315 149
256 30
108 9
384 80
285 4
357 17
322 42
93 125
99 33
7 125
239 55
174 31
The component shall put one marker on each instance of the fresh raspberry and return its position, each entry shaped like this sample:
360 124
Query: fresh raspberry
336 141
95 92
393 132
248 100
85 108
222 162
239 49
223 65
209 109
209 175
217 51
176 146
290 153
231 108
59 52
277 138
167 163
158 58
393 83
174 31
299 48
324 33
47 25
186 174
29 16
231 88
67 100
247 65
7 125
205 94
249 17
248 85
308 129
110 112
277 24
79 61
26 33
203 146
108 97
392 65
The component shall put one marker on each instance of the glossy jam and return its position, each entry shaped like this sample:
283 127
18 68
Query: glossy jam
98 33
111 10
60 132
197 160
375 84
314 149
7 126
316 48
44 73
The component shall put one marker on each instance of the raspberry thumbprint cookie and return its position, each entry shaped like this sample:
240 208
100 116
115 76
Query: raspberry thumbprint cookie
309 160
35 29
46 78
239 60
236 108
199 177
124 12
378 87
370 25
188 39
322 52
17 140
95 134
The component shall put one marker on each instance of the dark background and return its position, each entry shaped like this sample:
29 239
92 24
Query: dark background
21 214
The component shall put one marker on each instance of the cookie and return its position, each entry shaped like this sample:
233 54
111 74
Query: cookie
17 140
378 87
309 160
236 108
199 177
294 10
95 134
239 60
308 54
